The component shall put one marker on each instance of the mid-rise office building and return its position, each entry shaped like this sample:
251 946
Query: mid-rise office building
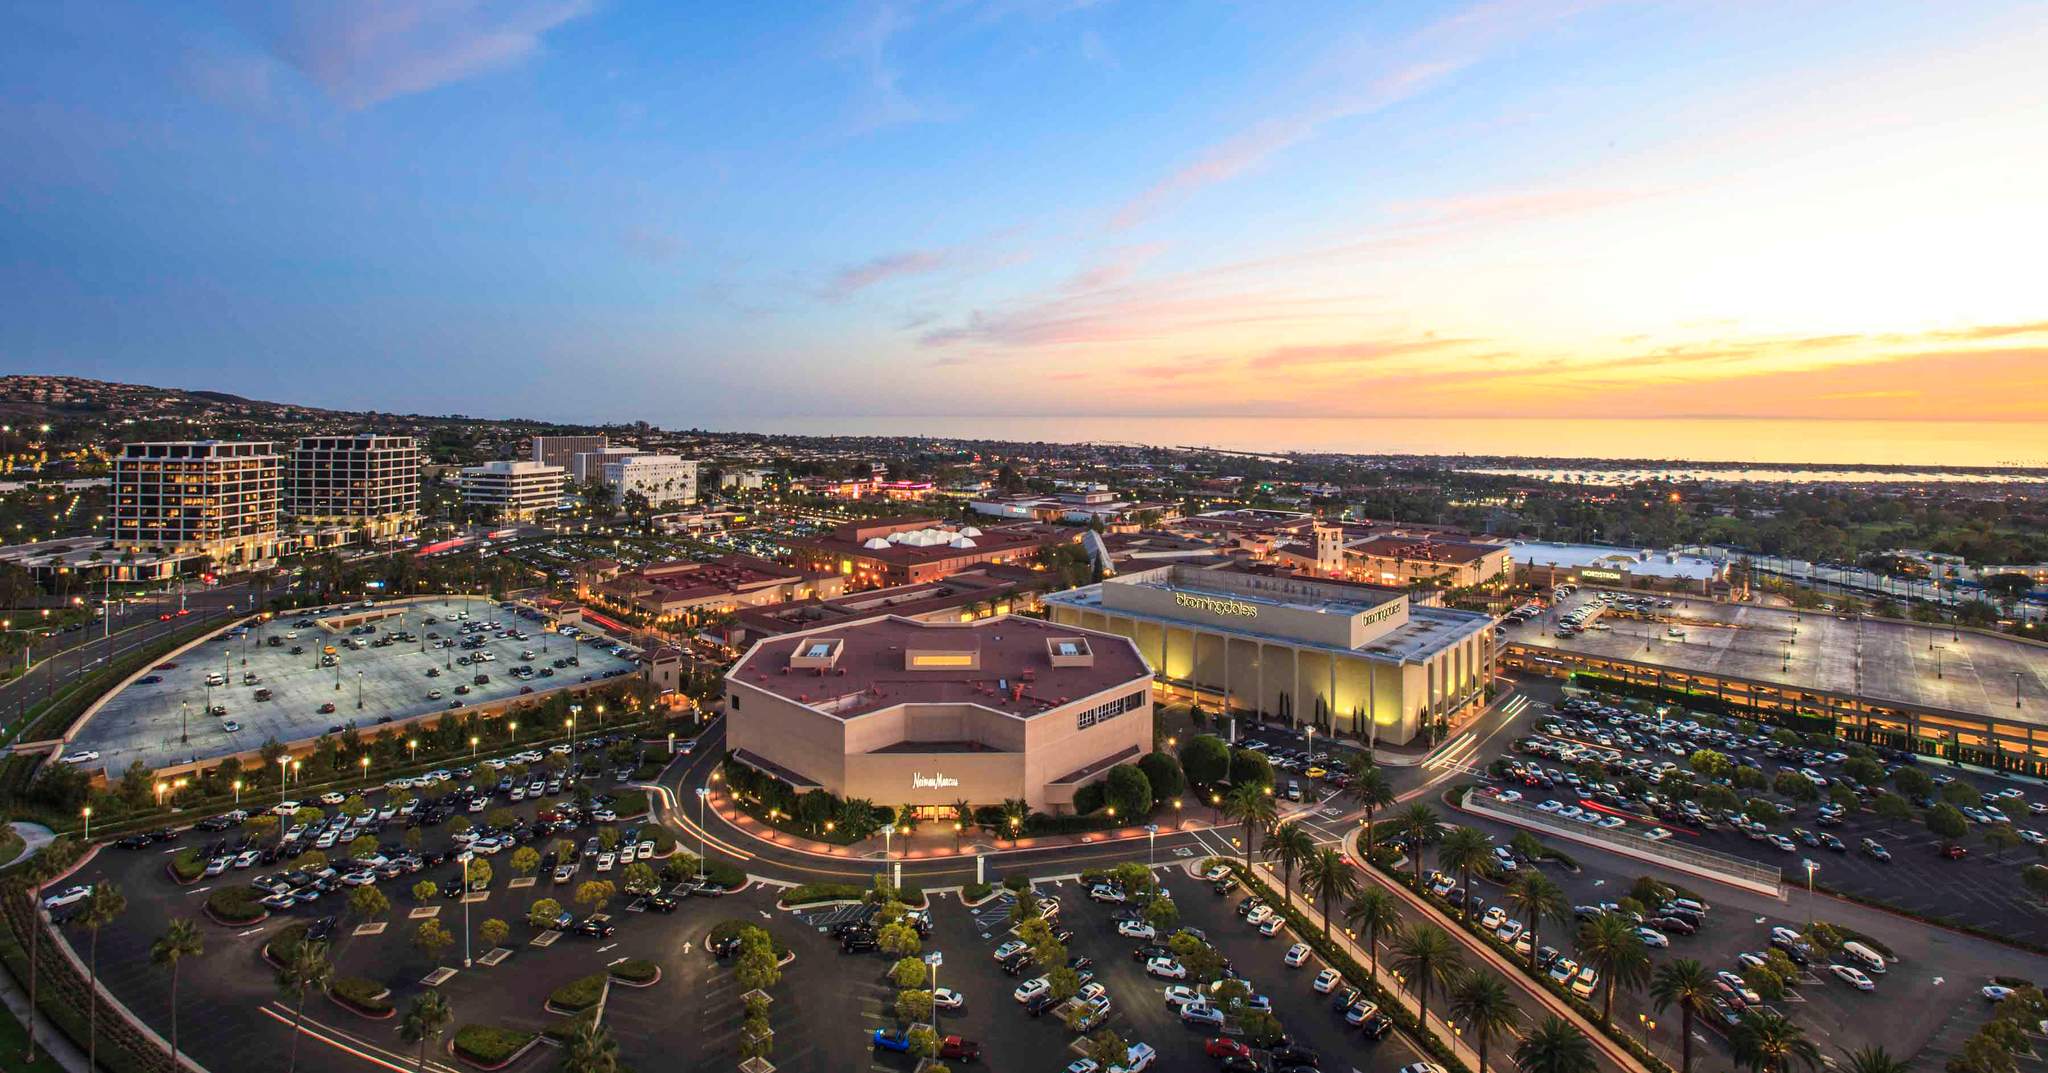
368 481
512 491
589 465
561 451
197 497
664 480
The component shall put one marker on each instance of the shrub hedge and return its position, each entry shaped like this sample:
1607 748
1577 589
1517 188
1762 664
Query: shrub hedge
489 1044
974 892
636 970
579 994
235 905
366 995
810 893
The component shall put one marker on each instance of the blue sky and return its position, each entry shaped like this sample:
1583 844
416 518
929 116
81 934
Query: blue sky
693 213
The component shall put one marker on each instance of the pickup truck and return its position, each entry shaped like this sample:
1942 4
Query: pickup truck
964 1050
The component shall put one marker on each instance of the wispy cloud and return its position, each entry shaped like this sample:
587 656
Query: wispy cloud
1358 85
370 51
855 278
880 100
1365 352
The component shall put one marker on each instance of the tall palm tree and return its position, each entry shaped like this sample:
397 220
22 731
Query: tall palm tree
425 1020
179 941
106 903
38 871
308 969
591 1049
1329 877
1537 898
1687 984
1425 955
1465 850
1768 1041
1373 792
1481 1000
1252 806
1373 911
1609 943
1290 845
1556 1046
1874 1060
1422 826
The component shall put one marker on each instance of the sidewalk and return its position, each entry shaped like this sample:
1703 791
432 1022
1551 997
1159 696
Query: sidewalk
925 847
48 1036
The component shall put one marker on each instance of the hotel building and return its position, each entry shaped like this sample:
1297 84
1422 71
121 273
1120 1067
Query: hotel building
512 491
898 711
1347 658
203 497
367 481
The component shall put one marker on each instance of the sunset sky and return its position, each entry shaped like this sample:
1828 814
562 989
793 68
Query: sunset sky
693 213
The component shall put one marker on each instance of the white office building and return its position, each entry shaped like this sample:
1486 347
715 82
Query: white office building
513 491
665 480
367 481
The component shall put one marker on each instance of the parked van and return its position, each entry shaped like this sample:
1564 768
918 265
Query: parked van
1865 958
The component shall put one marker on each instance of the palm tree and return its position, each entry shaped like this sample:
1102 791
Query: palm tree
1481 1000
1464 850
425 1020
1015 811
1421 825
38 871
1556 1046
1425 955
1252 806
1688 985
1372 912
1537 898
106 903
1610 944
1329 876
591 1050
1290 845
1373 792
1768 1041
1874 1060
308 969
179 941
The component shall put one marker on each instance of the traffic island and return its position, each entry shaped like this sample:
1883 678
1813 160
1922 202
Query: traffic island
491 1047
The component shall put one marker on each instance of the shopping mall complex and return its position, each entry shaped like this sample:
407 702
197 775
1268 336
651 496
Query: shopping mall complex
1350 659
895 710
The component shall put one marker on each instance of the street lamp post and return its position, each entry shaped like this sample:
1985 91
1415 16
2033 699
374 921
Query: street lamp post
284 767
238 793
1649 1026
1810 867
703 840
465 859
1151 835
359 691
86 814
412 746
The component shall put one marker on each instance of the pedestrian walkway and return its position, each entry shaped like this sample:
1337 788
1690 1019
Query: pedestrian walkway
34 836
48 1037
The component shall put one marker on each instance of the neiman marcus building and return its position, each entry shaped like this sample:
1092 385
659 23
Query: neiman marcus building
1351 659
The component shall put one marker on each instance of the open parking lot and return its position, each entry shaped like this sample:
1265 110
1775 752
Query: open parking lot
163 717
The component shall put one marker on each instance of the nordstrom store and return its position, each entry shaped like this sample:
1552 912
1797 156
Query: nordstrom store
1350 659
895 710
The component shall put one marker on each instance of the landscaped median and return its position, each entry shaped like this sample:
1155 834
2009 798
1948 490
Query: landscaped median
636 972
363 996
236 906
910 894
1335 956
491 1047
577 995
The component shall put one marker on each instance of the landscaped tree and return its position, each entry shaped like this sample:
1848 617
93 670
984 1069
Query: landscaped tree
307 970
756 970
1290 845
1537 898
179 941
2035 878
493 931
431 938
1946 822
542 914
898 940
914 1004
1422 826
478 873
1465 850
1770 1042
424 890
908 972
1373 911
363 846
1481 1000
525 859
2001 837
1328 877
1555 1046
425 1019
1372 792
1874 1060
1127 790
1013 814
1686 984
1252 806
368 903
1205 760
591 1049
594 894
1107 1049
1610 944
101 908
1426 957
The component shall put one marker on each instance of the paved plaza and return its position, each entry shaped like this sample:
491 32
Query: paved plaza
166 722
1927 666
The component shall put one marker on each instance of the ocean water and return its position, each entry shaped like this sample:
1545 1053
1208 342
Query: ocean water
1776 441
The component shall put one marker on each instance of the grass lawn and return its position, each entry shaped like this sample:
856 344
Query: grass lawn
14 1041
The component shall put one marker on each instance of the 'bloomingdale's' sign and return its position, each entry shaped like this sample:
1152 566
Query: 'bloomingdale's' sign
921 781
1216 605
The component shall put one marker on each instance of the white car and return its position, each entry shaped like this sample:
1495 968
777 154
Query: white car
1215 872
1494 918
1002 953
1272 925
1995 992
1031 989
1296 956
333 797
606 860
1178 995
1136 929
70 896
946 998
1327 981
1853 976
1509 931
1106 894
1166 969
1653 938
84 756
1258 915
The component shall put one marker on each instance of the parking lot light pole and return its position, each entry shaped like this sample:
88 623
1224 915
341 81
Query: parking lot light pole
1810 867
703 840
465 858
238 793
86 814
359 691
1151 835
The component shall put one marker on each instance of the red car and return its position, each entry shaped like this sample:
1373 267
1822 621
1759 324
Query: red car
1954 852
184 611
964 1050
165 617
1223 1047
